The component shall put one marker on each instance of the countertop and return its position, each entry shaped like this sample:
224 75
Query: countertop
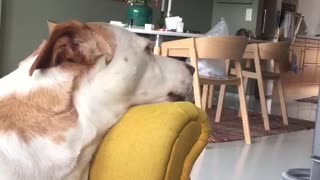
163 33
309 37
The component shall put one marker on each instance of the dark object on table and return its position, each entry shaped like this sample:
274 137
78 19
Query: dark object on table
242 32
246 33
161 20
130 23
140 13
192 31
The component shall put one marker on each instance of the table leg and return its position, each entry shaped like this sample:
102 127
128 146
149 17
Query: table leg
157 47
269 86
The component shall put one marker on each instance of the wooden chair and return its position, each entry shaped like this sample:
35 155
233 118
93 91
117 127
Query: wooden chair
276 52
223 48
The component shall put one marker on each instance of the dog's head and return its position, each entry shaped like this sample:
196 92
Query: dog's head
111 61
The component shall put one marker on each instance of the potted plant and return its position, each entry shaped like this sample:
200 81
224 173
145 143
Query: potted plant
139 12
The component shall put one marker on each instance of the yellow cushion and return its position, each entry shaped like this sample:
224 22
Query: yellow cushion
152 142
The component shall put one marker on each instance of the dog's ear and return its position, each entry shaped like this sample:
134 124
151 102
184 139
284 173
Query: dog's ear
51 25
72 42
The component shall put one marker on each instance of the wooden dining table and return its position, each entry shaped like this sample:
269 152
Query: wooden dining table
248 54
159 36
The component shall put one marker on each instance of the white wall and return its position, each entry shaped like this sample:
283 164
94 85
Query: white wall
24 21
23 24
310 9
234 14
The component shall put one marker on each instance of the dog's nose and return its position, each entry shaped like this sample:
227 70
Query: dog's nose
190 68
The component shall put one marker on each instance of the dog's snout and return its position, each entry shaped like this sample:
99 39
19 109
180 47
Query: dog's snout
190 68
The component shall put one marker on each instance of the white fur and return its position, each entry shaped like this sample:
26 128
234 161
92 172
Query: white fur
105 94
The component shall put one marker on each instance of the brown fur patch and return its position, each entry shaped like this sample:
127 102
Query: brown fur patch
75 47
61 46
46 112
76 42
49 112
105 39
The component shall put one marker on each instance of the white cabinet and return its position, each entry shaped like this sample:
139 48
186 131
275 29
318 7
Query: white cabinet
311 51
311 55
309 48
318 59
297 49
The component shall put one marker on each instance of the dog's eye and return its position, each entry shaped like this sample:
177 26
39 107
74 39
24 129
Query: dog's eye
148 49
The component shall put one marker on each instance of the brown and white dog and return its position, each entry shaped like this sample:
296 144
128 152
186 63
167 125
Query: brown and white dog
57 106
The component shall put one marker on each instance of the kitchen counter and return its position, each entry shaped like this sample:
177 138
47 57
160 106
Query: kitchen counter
309 37
306 48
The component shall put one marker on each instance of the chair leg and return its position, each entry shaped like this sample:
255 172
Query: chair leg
243 105
221 95
220 103
157 51
282 103
210 101
281 96
245 83
263 102
196 81
204 97
196 92
262 95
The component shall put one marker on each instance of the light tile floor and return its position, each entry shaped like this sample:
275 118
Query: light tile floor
265 159
269 156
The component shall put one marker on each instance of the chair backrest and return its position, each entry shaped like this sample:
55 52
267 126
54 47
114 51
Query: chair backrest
274 50
227 47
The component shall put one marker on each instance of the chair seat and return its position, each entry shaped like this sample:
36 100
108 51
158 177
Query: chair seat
231 80
270 75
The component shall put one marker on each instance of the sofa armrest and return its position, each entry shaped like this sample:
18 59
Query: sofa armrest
152 142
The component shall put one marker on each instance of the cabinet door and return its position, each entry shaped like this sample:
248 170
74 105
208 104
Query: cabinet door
311 55
318 59
298 51
312 43
300 42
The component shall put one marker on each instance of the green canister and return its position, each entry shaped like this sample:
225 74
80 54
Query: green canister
141 14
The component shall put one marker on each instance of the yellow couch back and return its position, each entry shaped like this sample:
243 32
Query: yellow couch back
153 142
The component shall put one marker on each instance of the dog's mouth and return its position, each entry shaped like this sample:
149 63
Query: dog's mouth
176 97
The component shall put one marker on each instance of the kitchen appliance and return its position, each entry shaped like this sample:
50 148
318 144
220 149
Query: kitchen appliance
315 171
268 19
260 16
288 5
